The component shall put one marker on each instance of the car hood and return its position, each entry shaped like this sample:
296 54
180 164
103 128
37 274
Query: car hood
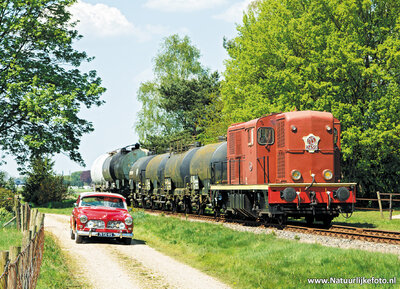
103 213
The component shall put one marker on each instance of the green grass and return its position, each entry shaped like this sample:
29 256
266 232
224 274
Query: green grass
64 207
9 236
370 219
248 260
55 272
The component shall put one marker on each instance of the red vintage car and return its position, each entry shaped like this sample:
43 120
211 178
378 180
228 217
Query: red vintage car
101 215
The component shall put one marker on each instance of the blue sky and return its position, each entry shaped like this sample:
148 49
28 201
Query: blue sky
124 36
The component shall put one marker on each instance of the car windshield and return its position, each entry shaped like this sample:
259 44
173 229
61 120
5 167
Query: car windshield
103 201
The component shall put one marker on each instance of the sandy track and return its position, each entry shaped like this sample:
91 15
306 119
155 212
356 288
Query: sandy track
111 265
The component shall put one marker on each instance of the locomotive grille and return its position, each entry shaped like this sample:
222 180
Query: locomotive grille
281 165
238 143
232 143
281 133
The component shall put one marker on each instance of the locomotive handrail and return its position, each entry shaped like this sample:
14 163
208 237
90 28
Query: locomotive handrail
283 185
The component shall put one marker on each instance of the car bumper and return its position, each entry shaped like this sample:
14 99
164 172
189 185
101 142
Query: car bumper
104 234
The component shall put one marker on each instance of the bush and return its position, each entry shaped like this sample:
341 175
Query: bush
6 199
5 215
42 185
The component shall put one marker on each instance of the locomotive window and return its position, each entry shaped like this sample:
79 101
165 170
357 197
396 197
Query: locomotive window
265 136
335 135
250 136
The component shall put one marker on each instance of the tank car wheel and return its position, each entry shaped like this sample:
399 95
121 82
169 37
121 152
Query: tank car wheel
309 220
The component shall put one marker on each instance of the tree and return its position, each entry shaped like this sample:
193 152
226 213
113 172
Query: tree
174 103
42 185
41 88
339 56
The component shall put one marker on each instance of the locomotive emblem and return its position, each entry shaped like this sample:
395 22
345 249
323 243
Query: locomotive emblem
311 142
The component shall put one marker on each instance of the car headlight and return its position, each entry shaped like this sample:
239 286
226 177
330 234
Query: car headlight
121 226
90 224
83 219
328 175
296 175
128 221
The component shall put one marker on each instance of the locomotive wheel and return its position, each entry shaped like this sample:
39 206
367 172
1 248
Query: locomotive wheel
281 220
327 221
309 220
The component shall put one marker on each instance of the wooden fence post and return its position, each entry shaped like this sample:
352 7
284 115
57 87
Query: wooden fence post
27 215
380 203
14 252
3 264
17 215
390 206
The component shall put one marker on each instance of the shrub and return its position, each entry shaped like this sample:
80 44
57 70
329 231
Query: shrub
6 199
42 185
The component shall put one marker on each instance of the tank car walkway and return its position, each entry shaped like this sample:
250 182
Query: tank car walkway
111 265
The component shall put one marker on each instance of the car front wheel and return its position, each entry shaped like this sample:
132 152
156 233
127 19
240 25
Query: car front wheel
78 239
127 241
72 235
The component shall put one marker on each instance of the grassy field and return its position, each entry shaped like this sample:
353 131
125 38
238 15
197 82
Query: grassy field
55 270
371 219
247 260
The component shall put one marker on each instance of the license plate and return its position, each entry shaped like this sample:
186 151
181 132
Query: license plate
106 234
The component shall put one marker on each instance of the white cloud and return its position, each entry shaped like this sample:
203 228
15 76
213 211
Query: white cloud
234 13
183 5
101 20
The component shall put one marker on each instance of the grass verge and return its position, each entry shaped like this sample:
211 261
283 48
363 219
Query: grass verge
370 219
9 237
55 271
247 260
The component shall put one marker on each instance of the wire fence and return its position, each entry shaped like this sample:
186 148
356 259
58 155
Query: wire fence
20 269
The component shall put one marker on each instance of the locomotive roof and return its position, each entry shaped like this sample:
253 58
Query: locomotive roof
292 114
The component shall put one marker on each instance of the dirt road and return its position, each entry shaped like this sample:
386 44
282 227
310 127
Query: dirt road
108 265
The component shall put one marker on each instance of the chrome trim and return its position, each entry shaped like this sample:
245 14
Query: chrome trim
95 234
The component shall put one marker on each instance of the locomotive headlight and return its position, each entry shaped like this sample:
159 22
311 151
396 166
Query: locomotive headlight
328 175
342 194
83 219
128 221
296 175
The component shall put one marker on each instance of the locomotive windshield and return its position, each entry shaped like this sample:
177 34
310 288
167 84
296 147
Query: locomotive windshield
265 136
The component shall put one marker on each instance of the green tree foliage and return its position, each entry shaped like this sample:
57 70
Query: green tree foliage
7 182
41 88
176 101
74 179
338 55
42 185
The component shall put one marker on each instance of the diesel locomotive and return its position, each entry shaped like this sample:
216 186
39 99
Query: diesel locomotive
270 168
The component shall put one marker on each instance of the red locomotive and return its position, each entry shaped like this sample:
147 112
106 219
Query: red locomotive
286 164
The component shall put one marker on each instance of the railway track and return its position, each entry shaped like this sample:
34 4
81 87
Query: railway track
347 232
